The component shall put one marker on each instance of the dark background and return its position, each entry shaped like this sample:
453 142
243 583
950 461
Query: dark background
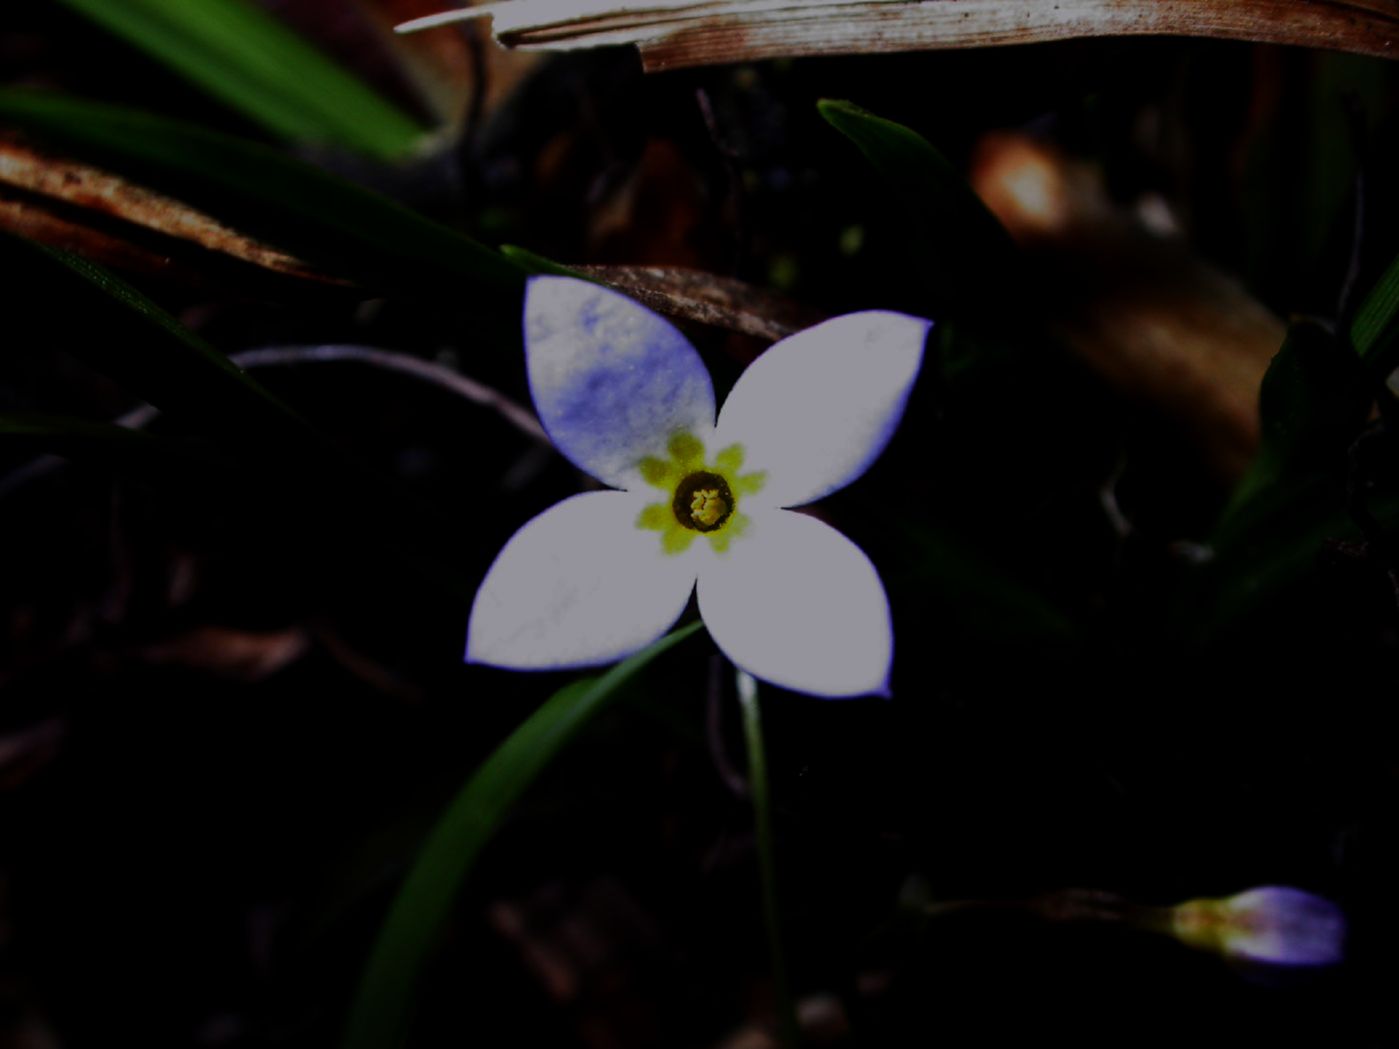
229 711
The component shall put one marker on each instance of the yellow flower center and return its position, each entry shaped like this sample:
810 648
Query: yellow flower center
703 501
703 496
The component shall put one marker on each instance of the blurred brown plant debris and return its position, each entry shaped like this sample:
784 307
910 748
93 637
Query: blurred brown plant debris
450 75
254 655
108 218
26 751
245 655
677 33
821 1017
657 212
1132 299
588 946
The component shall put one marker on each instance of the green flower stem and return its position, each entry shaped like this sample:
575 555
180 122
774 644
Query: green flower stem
762 815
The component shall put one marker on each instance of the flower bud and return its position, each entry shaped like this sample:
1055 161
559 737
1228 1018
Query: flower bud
1273 924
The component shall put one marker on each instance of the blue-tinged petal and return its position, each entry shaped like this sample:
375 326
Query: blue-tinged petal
612 381
579 585
794 602
818 407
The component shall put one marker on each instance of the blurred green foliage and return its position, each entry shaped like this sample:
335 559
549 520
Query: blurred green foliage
251 61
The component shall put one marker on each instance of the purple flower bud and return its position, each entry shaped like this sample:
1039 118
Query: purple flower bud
1273 924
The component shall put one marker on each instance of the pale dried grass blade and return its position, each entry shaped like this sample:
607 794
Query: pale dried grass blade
883 26
678 33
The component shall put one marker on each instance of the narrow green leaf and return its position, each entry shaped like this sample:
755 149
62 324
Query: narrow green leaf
249 60
380 1014
970 258
538 264
1264 548
324 219
1374 332
178 460
142 346
38 434
1313 403
34 426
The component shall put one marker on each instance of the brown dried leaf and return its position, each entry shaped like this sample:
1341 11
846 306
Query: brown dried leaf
674 33
51 182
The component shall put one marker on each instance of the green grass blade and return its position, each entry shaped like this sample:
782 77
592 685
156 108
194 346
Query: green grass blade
1313 405
249 60
379 1016
538 264
1374 332
255 188
81 439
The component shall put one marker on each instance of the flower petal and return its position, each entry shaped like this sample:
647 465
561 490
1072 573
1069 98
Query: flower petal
818 407
579 585
611 380
794 602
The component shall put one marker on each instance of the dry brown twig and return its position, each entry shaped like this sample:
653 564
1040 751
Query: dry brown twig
673 34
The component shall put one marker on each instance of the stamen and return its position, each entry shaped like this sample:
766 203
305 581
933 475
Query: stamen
707 507
703 501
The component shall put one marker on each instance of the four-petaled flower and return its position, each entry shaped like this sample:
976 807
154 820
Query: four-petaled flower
626 398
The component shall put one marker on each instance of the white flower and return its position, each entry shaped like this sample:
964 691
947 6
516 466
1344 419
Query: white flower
627 399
